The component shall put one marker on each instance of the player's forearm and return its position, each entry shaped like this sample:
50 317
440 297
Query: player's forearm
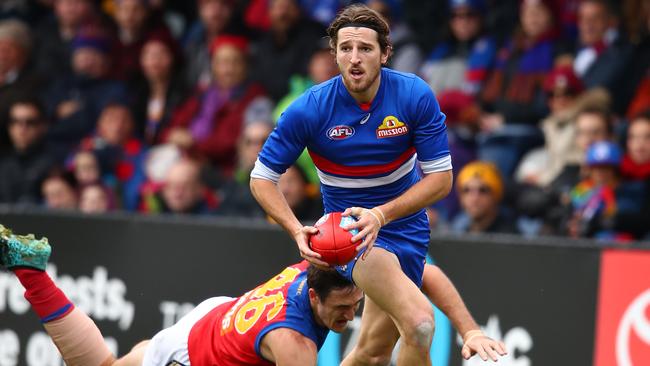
432 188
439 289
286 347
274 204
298 359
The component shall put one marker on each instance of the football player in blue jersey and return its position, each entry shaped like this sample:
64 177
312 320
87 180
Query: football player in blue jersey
366 130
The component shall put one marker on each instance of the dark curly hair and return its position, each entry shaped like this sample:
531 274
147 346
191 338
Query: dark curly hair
362 16
324 281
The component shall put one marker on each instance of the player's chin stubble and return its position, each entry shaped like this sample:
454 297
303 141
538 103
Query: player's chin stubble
359 86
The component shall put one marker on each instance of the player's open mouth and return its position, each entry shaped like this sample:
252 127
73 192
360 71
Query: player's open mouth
356 73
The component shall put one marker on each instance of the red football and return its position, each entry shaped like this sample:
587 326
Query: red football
333 242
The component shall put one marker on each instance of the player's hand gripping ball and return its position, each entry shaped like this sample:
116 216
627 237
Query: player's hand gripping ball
333 242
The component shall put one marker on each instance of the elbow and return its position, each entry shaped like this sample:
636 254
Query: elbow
258 185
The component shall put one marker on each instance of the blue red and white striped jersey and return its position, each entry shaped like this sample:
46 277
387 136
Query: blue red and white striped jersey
365 155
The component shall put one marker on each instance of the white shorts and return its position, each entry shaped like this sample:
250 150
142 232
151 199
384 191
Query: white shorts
170 345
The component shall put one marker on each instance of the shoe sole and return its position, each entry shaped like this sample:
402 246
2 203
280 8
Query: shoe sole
23 250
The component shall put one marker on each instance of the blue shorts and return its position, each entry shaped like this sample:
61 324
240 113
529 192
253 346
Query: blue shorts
408 240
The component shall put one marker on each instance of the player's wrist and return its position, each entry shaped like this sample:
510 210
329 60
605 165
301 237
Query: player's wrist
296 232
374 214
471 334
380 213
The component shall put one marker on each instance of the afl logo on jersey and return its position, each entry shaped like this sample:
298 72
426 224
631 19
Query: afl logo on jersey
340 132
391 127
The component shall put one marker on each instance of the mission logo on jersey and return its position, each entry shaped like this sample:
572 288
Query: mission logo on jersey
391 127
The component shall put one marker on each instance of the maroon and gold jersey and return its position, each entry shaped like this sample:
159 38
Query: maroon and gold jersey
231 333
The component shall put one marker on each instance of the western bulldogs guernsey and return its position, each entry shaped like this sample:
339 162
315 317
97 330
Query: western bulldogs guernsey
366 157
231 333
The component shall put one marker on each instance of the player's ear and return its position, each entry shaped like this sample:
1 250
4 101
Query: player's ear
313 296
386 55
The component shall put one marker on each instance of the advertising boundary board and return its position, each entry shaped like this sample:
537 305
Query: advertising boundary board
136 274
623 322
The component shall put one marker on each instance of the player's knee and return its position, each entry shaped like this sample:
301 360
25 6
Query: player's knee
419 331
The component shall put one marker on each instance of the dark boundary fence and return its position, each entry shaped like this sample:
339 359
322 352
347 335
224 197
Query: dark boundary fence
137 274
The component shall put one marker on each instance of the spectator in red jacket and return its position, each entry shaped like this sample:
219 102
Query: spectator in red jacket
636 162
210 122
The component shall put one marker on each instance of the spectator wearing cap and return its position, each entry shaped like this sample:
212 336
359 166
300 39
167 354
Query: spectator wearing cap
285 49
480 188
546 176
601 196
565 98
159 88
593 123
76 101
54 35
464 58
27 163
602 55
16 75
406 55
215 18
134 26
210 122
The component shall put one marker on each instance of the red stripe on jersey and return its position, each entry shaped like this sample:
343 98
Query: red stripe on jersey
331 167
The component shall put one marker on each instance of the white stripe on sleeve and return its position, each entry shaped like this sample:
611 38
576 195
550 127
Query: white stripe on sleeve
261 171
439 165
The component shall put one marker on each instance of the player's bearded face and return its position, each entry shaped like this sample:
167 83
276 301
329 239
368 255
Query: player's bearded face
359 58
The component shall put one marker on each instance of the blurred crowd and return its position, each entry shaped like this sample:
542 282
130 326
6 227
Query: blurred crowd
161 107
